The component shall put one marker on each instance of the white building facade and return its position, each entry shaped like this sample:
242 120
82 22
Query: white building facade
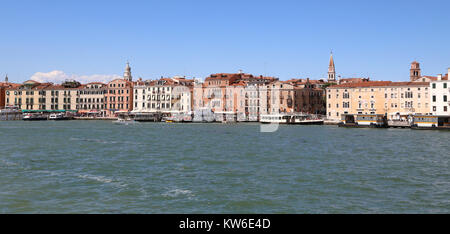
166 95
440 95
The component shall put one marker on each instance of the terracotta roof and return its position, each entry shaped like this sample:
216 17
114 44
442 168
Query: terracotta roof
353 80
96 83
430 77
240 83
121 79
379 84
27 81
445 77
56 87
9 85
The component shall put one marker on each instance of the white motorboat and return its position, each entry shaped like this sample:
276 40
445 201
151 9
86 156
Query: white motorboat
124 121
58 116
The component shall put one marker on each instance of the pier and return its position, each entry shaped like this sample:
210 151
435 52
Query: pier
10 115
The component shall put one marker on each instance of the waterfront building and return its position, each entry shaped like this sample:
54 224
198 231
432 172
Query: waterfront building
253 102
295 96
244 97
232 96
46 97
119 94
220 94
166 95
92 99
2 96
440 95
3 87
396 100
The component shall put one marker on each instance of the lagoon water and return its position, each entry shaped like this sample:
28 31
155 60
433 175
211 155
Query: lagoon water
99 167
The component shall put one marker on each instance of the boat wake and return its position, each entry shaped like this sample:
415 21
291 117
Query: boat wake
101 179
178 192
105 141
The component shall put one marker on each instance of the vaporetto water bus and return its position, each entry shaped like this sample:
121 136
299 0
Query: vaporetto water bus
431 122
364 121
301 119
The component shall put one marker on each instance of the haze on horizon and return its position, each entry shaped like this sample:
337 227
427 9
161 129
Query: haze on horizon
92 40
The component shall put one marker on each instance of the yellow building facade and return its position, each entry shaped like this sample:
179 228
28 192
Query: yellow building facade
34 96
396 100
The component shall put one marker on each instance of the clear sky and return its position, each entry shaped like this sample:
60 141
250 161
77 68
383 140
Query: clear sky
285 39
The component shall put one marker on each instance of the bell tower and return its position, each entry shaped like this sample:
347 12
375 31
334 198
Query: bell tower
414 72
127 73
331 70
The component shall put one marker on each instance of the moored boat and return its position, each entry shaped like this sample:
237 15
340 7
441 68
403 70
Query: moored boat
124 122
34 117
431 122
59 116
300 119
363 121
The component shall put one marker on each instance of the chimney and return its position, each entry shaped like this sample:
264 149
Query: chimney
448 72
439 77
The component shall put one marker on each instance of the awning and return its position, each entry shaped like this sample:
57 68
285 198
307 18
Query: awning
401 113
225 112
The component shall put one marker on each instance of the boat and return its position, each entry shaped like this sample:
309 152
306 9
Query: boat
364 121
296 118
430 122
124 122
145 117
34 117
58 116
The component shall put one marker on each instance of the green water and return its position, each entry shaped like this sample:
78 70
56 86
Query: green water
99 167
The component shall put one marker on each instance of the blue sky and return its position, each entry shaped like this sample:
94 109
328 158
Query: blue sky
285 39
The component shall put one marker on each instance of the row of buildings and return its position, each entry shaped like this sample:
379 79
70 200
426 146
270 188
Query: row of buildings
230 96
421 95
237 96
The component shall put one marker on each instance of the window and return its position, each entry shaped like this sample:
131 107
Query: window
434 108
445 85
434 98
445 108
433 85
445 98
